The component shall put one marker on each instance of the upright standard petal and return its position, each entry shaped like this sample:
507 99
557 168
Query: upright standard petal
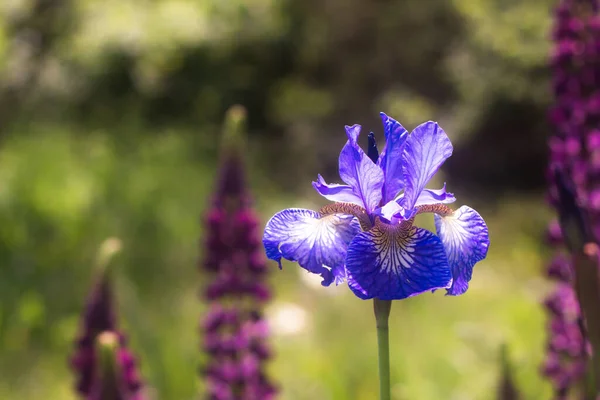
433 196
391 263
466 240
426 149
391 160
318 243
359 172
336 192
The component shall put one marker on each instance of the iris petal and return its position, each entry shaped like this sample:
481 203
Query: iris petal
390 263
466 240
317 243
359 172
338 274
336 192
426 149
390 159
433 196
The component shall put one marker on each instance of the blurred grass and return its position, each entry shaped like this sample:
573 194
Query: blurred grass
62 193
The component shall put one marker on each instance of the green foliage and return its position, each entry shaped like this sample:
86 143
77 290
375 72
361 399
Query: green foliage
504 56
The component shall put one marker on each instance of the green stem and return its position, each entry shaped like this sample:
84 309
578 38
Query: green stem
587 287
382 313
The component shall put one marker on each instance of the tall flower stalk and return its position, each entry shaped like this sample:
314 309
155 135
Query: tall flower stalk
99 318
234 329
575 193
382 310
367 236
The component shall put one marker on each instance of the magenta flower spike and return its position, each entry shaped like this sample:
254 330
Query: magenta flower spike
99 318
234 330
566 358
575 194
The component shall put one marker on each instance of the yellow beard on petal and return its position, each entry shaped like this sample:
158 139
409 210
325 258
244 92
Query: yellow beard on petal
349 209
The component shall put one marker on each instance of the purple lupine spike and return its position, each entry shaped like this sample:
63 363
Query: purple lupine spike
234 330
567 348
100 318
575 153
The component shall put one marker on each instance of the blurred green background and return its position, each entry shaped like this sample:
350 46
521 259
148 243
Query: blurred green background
110 114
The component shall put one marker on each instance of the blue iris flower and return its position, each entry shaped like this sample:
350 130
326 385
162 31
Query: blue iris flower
367 236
